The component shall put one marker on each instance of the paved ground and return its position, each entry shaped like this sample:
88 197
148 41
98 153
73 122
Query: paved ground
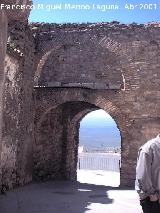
69 197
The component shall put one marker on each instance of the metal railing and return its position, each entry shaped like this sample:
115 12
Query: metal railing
99 161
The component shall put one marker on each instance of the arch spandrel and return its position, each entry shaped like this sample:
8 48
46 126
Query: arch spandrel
43 107
131 45
80 65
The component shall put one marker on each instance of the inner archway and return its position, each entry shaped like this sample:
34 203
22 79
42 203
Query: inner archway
99 152
61 144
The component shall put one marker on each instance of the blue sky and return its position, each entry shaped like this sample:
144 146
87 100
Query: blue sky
98 118
102 118
96 15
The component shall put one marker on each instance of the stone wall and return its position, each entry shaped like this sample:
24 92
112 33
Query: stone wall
17 14
134 132
115 49
78 68
18 109
47 147
5 17
56 142
134 105
3 42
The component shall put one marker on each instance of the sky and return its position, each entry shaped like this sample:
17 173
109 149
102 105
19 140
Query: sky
144 11
97 118
98 114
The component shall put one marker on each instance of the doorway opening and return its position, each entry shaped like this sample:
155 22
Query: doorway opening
99 152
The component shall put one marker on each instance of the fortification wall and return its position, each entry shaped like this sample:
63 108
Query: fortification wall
132 61
77 68
7 16
18 108
3 42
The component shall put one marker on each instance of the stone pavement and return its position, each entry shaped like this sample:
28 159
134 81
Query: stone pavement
69 197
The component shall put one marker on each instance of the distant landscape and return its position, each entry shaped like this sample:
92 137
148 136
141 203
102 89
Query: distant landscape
99 130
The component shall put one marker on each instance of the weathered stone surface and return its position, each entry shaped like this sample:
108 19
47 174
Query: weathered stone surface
20 11
3 42
77 68
18 109
5 17
131 76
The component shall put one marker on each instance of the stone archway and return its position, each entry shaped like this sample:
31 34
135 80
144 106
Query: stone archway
60 80
61 122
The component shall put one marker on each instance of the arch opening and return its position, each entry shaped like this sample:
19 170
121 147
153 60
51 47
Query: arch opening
99 151
57 140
